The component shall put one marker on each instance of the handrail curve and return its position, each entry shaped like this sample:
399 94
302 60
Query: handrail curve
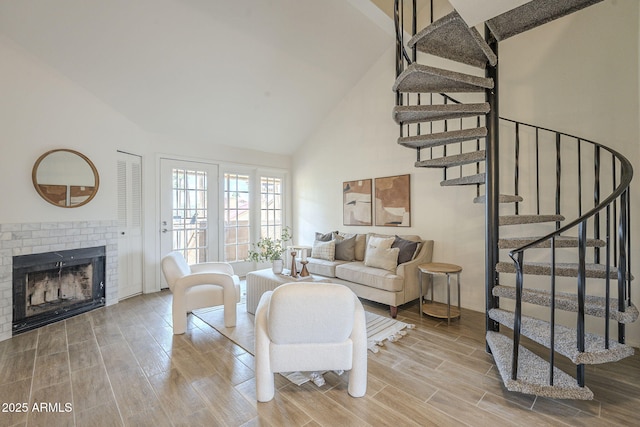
626 175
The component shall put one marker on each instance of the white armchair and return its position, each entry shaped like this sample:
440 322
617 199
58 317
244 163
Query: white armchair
207 284
310 327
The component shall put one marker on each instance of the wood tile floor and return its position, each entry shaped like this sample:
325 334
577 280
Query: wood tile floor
121 365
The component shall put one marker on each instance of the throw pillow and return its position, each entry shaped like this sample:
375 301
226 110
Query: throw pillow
385 258
380 242
326 236
324 250
361 244
407 248
345 248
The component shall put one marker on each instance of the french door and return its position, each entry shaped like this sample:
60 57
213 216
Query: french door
189 210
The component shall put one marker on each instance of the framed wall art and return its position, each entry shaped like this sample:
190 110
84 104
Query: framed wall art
393 201
356 202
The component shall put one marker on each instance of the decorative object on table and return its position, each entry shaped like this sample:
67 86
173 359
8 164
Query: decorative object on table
271 249
393 201
304 272
277 266
294 269
302 252
303 260
356 202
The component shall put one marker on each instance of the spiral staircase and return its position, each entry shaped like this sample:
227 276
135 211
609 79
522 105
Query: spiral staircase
587 244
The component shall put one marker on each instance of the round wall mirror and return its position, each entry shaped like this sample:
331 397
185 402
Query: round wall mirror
65 178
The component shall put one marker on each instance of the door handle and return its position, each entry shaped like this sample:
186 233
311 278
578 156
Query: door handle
165 230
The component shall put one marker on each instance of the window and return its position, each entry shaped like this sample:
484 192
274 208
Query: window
271 207
237 218
253 208
190 214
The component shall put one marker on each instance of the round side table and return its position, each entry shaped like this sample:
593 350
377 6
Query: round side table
437 309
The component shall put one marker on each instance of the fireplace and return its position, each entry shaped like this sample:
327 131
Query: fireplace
52 286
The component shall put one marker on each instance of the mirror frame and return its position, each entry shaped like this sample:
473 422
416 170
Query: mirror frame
34 177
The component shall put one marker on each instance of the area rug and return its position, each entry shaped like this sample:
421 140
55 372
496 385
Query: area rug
379 328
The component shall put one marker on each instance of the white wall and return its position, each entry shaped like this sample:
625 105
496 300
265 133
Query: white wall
41 110
576 75
580 75
358 141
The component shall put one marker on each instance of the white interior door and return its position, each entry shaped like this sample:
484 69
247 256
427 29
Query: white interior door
189 210
130 247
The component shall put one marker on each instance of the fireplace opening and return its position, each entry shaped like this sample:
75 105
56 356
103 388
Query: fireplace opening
53 286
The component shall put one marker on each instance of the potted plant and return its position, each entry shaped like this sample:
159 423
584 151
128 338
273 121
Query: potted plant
270 249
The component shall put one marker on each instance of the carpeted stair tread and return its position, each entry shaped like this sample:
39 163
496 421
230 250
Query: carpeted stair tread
595 271
456 160
450 37
465 180
442 138
528 219
593 305
561 242
533 372
565 342
403 114
533 14
424 79
503 198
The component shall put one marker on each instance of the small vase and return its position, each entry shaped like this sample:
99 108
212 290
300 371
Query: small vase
277 266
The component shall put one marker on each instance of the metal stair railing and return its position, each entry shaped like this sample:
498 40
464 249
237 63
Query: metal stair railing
616 227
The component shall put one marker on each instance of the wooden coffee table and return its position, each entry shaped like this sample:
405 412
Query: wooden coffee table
261 281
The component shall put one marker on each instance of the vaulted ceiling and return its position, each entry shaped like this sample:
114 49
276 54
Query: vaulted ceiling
258 74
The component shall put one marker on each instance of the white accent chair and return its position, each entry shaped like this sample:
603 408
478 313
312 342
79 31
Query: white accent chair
310 327
206 284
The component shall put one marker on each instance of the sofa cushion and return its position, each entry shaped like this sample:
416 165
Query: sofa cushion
386 258
324 250
361 244
345 248
370 276
408 249
323 267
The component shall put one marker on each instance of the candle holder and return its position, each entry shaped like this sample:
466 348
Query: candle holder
304 272
294 269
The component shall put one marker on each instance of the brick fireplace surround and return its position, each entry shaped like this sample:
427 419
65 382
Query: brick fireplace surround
40 237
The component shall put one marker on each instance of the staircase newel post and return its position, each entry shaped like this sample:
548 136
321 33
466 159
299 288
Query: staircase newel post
492 188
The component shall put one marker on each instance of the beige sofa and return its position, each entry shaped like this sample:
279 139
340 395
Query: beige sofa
395 286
